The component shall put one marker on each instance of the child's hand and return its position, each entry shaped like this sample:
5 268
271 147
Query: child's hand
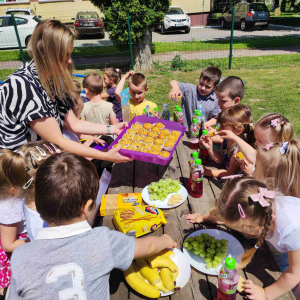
88 143
170 242
256 292
175 92
246 167
194 218
227 135
207 142
128 74
207 126
99 141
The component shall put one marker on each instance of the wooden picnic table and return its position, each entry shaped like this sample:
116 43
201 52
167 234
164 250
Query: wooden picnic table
134 176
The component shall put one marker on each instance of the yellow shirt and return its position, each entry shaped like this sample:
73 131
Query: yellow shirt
137 109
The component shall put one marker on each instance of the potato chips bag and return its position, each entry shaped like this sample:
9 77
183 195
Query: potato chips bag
138 220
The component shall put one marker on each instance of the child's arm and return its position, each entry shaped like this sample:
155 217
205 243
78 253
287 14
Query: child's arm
105 96
9 237
113 120
210 123
152 244
197 218
120 85
208 144
288 280
175 90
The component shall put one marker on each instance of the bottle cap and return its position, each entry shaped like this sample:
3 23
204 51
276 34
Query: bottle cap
195 120
156 108
198 161
165 106
230 262
198 114
176 106
195 155
179 109
196 110
144 109
204 132
147 107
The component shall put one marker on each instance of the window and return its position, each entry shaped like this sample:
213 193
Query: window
1 22
258 7
19 21
16 12
175 11
87 15
13 1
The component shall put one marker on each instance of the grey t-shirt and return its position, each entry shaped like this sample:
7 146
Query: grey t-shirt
190 100
75 267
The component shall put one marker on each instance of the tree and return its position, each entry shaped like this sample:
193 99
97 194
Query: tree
143 13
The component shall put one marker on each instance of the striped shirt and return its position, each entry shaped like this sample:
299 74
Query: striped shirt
22 100
190 100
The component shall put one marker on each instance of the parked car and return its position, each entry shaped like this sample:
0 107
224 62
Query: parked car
21 11
89 23
176 20
247 15
25 26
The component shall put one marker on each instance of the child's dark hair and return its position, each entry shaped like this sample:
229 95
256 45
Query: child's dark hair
113 73
240 117
212 74
64 184
237 192
283 130
138 79
233 85
94 83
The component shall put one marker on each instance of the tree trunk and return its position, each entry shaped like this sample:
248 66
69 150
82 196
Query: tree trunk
142 52
276 4
283 4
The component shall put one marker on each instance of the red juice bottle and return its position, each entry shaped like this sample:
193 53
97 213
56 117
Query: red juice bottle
228 280
203 155
195 155
195 186
194 135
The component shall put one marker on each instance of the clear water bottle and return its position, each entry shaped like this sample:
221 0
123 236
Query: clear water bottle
180 116
228 280
203 151
166 112
149 113
175 113
195 185
194 135
156 113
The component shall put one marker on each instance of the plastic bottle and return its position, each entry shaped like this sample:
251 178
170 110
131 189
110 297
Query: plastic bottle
228 280
203 155
195 155
194 135
195 114
179 116
149 113
175 113
196 179
156 113
198 117
166 112
144 112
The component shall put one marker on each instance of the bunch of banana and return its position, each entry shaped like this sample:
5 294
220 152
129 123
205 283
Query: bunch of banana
150 275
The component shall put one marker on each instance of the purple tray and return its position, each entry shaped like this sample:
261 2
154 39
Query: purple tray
99 147
146 156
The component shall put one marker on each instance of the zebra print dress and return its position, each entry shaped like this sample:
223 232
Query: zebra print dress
22 100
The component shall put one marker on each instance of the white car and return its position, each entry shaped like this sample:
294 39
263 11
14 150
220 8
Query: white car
25 26
175 20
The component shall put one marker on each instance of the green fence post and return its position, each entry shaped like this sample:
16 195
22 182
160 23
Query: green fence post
18 38
130 42
231 38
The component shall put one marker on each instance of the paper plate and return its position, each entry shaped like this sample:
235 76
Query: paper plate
234 248
164 204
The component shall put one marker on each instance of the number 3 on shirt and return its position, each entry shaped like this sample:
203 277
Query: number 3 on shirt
76 291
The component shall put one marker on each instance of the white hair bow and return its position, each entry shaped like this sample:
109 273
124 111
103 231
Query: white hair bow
284 147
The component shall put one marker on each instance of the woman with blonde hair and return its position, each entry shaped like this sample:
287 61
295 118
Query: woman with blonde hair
36 100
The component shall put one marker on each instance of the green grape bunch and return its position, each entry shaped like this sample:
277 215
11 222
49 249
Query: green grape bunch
160 190
213 251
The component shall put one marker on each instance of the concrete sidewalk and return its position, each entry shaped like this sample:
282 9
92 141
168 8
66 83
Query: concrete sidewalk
188 55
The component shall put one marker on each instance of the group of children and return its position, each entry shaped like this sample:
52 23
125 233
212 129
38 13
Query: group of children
48 197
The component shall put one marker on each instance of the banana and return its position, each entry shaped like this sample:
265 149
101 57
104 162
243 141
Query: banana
175 274
165 253
139 275
139 285
156 270
163 262
167 278
151 275
161 287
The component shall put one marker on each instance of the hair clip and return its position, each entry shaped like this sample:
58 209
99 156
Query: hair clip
263 192
256 247
241 211
21 153
55 148
36 156
274 122
43 153
48 148
117 70
232 176
27 169
284 148
33 161
251 125
268 146
282 122
27 184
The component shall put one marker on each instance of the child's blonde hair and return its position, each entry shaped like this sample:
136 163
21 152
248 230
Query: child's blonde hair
283 131
77 100
94 83
239 117
113 73
138 79
237 192
281 169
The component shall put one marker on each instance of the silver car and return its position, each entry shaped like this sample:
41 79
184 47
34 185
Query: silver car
247 16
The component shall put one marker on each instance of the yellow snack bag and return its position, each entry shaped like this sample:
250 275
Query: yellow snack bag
112 202
139 220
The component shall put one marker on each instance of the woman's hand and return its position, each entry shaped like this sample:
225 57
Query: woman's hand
227 135
207 142
174 93
194 218
114 156
246 167
119 127
256 292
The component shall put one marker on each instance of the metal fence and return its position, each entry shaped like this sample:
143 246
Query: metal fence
208 41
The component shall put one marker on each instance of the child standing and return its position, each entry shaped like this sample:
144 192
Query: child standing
65 194
274 218
193 95
138 89
111 78
97 110
13 179
238 120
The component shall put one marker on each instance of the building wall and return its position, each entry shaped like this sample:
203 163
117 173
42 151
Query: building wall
193 6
